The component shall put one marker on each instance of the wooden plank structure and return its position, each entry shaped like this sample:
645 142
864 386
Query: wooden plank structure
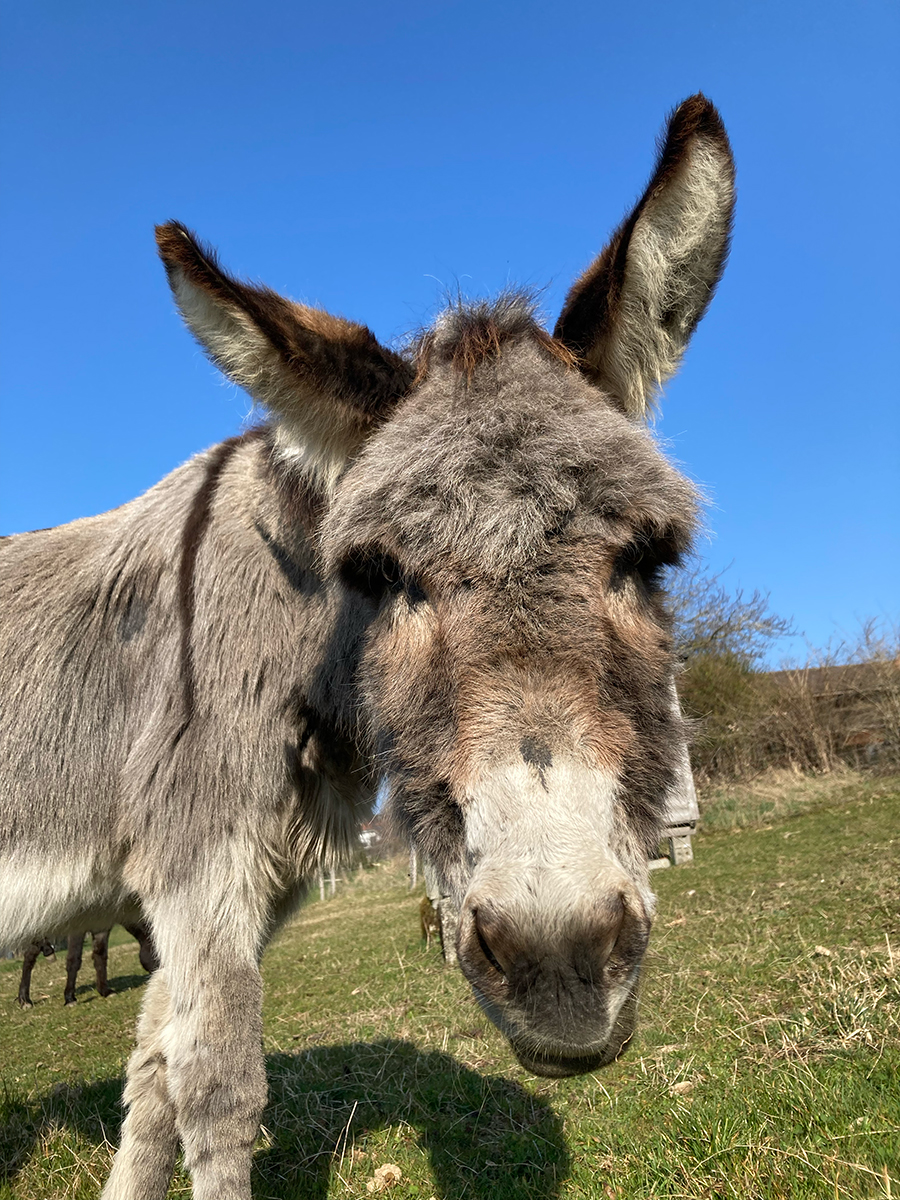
682 815
444 910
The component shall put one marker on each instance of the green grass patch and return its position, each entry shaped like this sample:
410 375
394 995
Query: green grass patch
778 794
766 1065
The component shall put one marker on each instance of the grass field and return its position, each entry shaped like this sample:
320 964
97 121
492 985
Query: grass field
767 1062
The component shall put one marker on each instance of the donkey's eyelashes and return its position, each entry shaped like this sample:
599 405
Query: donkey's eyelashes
646 559
371 572
375 574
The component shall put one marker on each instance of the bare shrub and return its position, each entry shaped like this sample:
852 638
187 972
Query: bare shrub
722 638
711 622
731 706
841 707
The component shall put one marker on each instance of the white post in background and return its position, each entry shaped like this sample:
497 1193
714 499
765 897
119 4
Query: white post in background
332 881
321 884
447 916
413 869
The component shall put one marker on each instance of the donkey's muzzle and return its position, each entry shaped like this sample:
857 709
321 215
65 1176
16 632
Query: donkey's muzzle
563 991
558 1066
553 1067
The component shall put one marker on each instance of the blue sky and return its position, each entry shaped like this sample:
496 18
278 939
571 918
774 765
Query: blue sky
366 157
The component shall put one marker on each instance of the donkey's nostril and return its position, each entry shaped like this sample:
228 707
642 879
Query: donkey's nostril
484 947
628 936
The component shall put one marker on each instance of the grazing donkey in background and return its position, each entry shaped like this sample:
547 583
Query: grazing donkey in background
99 955
441 566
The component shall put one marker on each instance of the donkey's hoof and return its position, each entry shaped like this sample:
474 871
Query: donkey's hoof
25 1004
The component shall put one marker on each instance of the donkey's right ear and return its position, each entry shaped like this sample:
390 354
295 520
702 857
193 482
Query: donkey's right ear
327 381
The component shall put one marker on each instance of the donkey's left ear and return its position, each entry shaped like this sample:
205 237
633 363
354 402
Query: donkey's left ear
631 314
327 381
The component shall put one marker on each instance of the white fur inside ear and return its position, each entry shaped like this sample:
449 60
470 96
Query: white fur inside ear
324 458
226 334
673 261
672 250
312 434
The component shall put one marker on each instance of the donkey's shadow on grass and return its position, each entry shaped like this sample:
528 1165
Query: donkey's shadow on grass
484 1136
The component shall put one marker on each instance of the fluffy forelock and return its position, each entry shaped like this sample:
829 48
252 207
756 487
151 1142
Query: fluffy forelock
486 465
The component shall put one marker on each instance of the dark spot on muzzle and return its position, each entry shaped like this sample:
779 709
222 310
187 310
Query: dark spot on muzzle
536 753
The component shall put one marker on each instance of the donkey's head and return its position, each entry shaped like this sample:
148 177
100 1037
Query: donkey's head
496 513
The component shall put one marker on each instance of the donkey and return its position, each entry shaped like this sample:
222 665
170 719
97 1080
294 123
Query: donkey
440 567
99 955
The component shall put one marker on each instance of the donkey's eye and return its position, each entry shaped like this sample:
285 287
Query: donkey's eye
647 560
371 572
376 574
635 558
415 593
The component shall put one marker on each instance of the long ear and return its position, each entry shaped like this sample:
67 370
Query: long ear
630 315
327 381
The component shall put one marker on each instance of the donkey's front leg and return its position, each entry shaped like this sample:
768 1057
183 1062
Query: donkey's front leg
145 1160
209 944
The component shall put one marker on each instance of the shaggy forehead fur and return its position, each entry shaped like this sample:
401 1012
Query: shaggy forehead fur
501 448
468 335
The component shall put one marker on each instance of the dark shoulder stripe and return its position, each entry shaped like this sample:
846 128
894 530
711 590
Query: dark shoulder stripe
192 535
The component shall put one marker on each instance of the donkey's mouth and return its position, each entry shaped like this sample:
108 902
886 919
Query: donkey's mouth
559 1066
553 1067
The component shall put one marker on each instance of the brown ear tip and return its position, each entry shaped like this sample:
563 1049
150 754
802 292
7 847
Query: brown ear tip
169 230
697 115
177 245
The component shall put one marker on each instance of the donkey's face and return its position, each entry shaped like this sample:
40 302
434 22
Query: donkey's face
498 518
507 530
